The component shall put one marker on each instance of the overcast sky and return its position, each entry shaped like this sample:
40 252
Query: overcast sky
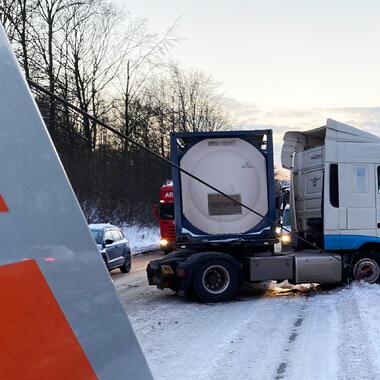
282 60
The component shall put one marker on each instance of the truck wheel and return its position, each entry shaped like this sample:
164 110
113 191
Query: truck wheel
367 270
215 280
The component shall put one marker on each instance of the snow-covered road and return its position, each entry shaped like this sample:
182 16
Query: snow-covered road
277 332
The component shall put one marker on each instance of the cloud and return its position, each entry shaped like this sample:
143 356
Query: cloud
249 116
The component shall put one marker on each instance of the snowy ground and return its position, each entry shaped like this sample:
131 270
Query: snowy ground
278 332
141 238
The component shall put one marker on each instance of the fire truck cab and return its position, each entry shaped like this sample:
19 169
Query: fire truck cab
166 217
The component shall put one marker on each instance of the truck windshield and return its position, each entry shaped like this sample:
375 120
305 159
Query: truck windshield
286 218
166 211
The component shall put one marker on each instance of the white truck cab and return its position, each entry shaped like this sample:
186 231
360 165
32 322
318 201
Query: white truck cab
335 186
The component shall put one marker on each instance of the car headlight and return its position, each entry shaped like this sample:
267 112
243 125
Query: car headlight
278 230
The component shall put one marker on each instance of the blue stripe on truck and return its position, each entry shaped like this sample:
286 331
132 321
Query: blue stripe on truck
348 241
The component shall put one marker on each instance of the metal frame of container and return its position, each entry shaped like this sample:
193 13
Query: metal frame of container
261 232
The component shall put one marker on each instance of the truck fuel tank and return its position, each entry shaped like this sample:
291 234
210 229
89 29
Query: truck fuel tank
268 268
317 267
298 267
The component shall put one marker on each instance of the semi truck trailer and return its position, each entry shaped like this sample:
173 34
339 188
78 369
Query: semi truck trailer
225 233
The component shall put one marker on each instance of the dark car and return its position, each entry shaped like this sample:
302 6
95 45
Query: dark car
113 246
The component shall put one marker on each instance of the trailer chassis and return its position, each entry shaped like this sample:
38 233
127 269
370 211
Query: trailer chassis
215 276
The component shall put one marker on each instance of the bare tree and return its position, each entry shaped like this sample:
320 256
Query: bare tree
16 16
145 56
196 101
94 55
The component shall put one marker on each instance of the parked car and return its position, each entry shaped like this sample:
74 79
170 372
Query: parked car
113 246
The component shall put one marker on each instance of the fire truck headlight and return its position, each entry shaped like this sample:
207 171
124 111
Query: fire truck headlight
163 242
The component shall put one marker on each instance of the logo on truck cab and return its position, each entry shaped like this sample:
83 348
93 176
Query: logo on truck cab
315 180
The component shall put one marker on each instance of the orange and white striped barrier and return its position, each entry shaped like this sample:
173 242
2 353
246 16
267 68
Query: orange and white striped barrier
60 315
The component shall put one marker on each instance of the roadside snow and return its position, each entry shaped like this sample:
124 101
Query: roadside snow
142 238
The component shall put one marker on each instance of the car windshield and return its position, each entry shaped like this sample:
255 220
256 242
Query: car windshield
97 235
286 218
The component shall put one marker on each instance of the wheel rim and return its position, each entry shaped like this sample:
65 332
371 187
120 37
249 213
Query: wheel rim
216 279
367 270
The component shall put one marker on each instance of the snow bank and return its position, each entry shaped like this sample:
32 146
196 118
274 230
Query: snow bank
142 238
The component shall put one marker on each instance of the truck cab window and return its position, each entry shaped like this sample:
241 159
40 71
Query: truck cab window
167 211
360 179
334 185
378 179
286 218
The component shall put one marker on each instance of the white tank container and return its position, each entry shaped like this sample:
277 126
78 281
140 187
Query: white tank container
233 166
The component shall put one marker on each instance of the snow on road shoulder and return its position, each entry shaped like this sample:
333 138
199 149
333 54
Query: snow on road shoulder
142 238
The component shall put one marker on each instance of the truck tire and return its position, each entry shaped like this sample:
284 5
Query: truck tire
215 280
367 269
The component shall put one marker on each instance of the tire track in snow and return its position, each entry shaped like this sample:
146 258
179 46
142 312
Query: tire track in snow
311 352
281 370
258 344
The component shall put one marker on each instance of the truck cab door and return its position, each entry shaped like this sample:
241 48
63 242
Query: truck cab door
351 217
361 201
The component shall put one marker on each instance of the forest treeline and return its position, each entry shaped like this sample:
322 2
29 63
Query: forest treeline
95 55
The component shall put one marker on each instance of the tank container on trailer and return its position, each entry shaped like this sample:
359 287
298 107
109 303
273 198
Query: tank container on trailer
238 163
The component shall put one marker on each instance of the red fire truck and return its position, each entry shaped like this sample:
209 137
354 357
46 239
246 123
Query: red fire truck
165 215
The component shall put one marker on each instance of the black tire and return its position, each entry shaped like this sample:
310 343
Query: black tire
366 269
215 280
126 267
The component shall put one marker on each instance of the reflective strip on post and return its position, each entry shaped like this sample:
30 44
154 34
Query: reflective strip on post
37 341
3 205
